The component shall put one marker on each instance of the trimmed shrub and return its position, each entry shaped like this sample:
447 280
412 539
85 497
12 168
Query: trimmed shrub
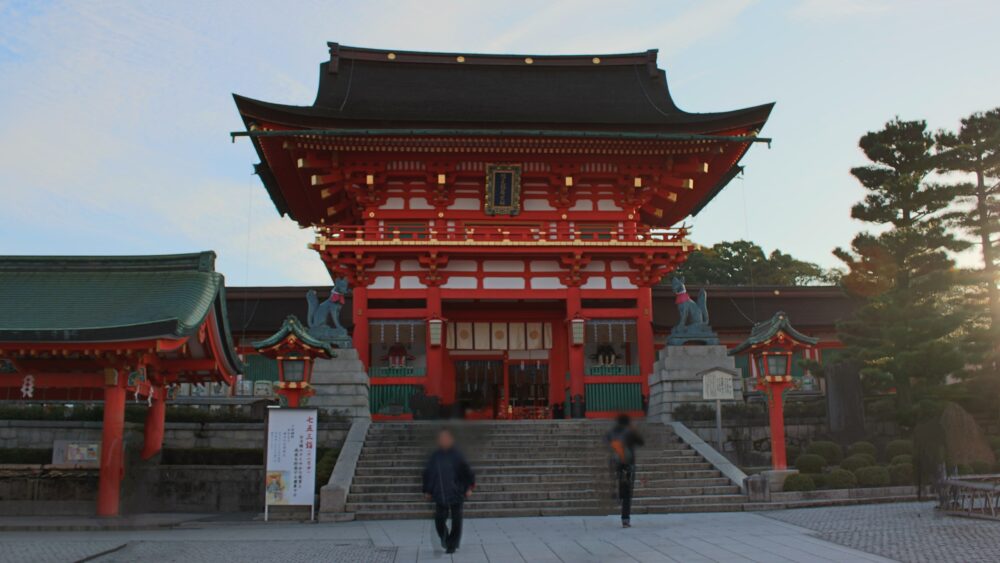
819 479
898 448
830 451
964 469
862 448
841 479
872 476
810 463
901 459
857 461
994 442
980 467
799 482
901 473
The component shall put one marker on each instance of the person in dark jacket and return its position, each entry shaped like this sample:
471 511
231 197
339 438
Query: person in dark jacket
448 481
623 439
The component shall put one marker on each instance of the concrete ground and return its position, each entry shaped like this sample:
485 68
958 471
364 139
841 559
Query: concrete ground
907 532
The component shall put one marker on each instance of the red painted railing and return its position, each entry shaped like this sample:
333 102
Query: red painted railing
491 233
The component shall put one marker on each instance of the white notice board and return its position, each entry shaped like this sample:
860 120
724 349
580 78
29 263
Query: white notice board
717 385
290 467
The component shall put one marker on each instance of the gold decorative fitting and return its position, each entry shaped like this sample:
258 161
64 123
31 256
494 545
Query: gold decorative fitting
440 214
630 216
371 213
370 179
529 60
597 60
391 56
460 59
637 182
564 216
569 181
441 178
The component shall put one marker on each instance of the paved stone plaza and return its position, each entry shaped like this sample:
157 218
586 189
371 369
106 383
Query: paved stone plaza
906 532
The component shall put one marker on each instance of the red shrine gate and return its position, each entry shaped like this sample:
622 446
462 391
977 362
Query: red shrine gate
501 218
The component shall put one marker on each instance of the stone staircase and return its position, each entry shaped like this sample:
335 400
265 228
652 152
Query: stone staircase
535 468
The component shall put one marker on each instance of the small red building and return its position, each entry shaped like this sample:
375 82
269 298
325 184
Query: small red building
500 218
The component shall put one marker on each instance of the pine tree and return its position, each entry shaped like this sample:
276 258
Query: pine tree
904 334
974 153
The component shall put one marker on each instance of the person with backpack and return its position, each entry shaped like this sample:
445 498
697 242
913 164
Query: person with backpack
448 481
623 439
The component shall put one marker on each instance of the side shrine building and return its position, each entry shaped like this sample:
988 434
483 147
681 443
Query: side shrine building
500 219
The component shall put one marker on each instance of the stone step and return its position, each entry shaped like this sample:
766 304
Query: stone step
586 493
415 479
661 488
386 460
473 504
648 469
426 513
683 500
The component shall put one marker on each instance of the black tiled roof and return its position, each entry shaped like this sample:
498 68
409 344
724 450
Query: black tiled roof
382 88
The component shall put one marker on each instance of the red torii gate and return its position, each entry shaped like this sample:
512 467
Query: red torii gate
98 328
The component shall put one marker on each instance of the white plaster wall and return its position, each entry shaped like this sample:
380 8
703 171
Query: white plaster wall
460 282
393 203
409 265
595 283
582 205
420 203
620 282
538 205
595 266
545 266
607 205
503 266
503 283
465 204
410 282
546 283
383 282
383 266
460 266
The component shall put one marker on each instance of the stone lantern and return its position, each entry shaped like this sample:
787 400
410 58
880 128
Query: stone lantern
770 348
295 350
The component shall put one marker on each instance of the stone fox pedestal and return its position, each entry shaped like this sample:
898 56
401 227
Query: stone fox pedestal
341 385
677 377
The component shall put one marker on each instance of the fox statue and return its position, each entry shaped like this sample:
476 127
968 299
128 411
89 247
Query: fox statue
691 312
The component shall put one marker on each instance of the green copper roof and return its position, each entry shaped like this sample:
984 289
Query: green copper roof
294 327
108 298
762 332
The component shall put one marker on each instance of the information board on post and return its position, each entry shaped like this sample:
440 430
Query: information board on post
290 467
717 385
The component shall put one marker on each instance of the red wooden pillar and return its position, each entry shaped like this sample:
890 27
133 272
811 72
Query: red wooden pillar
558 365
644 336
776 414
361 335
577 389
155 419
112 445
435 354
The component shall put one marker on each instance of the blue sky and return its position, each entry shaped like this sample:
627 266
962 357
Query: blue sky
114 117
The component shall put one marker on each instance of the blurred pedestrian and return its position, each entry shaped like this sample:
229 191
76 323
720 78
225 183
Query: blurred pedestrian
448 481
623 438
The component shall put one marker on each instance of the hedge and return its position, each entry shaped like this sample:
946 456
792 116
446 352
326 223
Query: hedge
857 461
981 467
903 459
873 476
841 479
898 447
830 451
901 473
810 463
799 482
862 448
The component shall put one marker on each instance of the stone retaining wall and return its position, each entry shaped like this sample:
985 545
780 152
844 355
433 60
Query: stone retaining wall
248 435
